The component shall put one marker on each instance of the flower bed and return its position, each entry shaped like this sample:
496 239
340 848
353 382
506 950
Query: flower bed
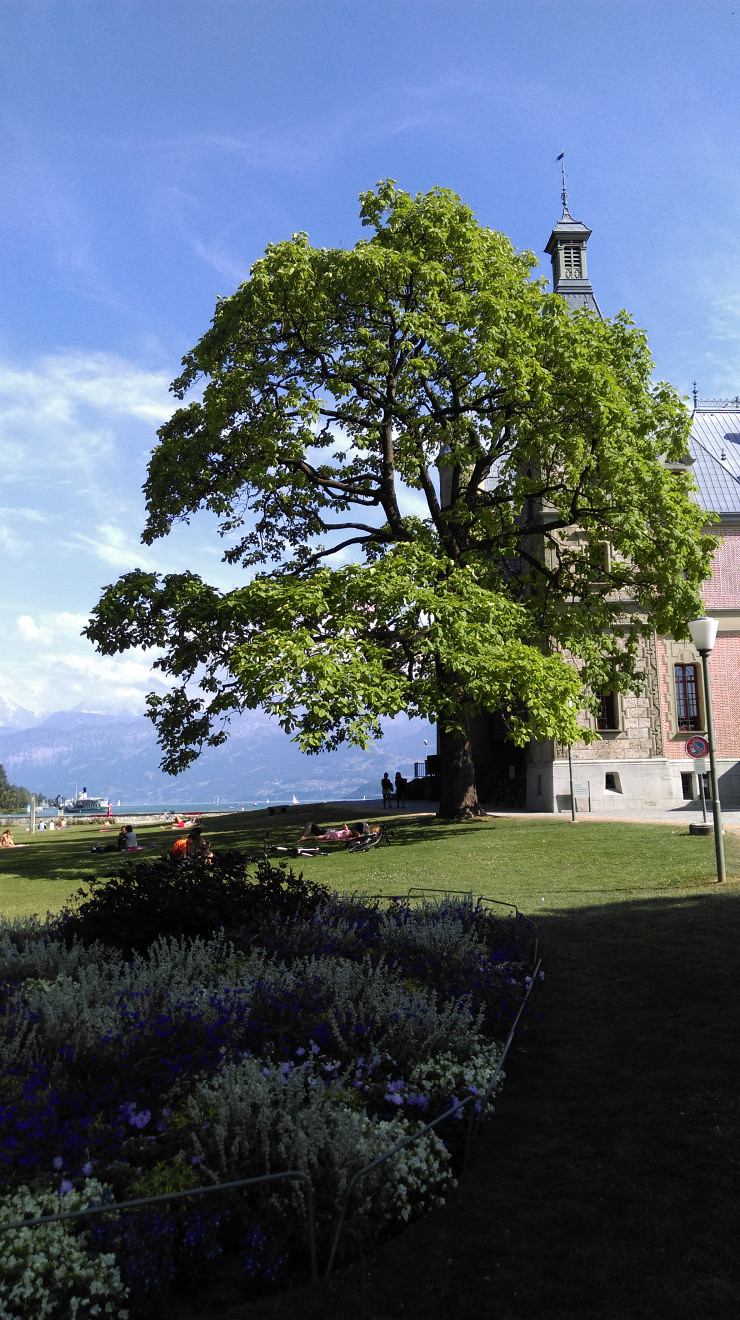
311 1033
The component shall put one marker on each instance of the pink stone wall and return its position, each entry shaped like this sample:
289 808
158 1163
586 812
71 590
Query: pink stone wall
724 673
722 591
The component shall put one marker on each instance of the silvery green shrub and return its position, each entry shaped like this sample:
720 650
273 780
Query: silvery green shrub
47 1271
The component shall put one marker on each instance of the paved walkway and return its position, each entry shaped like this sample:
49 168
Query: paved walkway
678 816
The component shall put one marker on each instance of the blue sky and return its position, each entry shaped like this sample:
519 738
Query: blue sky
150 149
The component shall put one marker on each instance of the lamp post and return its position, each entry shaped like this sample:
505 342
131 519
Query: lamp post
703 635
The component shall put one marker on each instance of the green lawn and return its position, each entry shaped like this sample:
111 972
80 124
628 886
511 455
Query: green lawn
605 1186
518 859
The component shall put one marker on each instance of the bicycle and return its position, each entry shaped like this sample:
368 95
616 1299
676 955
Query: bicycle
367 842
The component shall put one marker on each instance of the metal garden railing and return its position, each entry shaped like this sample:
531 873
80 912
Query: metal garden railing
457 1107
116 1207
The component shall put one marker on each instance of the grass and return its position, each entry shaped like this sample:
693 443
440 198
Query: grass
520 859
605 1185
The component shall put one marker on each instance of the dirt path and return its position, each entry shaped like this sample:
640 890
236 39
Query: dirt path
604 1186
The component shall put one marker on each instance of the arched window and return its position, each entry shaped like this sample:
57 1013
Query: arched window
687 697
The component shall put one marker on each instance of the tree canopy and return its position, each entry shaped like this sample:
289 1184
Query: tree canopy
12 796
417 454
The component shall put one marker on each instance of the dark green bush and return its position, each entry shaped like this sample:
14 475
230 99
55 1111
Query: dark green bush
149 899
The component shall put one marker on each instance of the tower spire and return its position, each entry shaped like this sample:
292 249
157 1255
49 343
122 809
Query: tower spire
564 193
566 248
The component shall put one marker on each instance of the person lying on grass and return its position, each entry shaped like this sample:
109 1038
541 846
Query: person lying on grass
339 833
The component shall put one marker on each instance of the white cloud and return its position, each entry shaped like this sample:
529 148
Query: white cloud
28 629
76 431
113 545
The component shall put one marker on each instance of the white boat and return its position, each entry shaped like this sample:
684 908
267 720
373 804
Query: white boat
87 806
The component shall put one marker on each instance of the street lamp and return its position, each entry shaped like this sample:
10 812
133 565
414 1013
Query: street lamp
703 634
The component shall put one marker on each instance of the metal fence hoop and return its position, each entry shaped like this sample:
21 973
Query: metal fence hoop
113 1207
381 1159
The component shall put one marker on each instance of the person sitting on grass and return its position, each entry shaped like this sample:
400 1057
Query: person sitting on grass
7 841
199 849
130 841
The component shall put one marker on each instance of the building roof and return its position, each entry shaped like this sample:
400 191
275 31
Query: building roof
568 230
715 449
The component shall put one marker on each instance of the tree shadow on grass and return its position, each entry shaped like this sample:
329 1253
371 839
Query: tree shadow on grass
604 1185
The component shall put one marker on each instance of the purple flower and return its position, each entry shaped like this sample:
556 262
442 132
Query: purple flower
58 1162
87 1169
421 1101
140 1120
65 1187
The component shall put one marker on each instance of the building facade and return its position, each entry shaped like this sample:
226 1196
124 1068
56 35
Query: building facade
640 760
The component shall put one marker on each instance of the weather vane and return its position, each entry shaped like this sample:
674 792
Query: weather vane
564 193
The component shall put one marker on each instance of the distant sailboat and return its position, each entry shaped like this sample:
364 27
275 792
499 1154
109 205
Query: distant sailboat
295 800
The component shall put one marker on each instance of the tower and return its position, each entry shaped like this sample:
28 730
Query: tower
566 248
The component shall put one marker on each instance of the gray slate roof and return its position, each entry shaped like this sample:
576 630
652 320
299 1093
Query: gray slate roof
715 449
578 293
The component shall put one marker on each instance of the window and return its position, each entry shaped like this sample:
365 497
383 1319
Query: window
612 783
572 263
607 716
687 786
602 562
687 697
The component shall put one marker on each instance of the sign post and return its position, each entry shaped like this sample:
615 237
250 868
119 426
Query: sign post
698 747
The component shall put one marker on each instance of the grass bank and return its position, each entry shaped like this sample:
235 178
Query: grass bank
539 864
605 1184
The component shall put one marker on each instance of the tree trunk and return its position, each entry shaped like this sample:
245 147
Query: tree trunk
458 795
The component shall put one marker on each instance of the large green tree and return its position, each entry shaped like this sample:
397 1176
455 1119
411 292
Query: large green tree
416 454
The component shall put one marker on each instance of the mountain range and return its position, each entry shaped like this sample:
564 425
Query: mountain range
117 756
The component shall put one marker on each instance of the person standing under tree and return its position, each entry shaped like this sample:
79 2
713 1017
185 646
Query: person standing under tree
387 788
400 790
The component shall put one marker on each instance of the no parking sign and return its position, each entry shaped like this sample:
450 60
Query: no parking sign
697 747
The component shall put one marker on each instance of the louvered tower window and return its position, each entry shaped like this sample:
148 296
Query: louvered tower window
572 268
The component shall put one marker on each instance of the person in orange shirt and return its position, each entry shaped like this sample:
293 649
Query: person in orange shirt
198 848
